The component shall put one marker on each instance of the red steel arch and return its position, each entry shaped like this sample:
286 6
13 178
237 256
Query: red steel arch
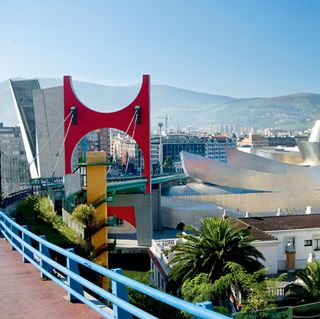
88 120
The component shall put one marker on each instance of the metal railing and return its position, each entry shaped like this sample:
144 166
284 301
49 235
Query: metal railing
14 197
68 277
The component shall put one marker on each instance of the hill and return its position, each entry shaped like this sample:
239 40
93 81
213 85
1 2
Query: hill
186 107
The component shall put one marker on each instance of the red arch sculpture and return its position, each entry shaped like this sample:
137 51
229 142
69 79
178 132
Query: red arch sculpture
88 120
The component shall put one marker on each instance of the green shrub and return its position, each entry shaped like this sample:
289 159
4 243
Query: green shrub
24 213
45 210
38 213
85 215
155 307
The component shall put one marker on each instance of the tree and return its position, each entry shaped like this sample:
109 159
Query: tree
151 305
45 210
86 216
254 291
168 164
307 286
208 249
200 289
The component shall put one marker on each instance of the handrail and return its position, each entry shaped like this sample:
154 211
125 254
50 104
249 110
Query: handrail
14 197
17 235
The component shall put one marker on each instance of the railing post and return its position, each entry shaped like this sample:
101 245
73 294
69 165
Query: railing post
16 232
206 305
6 227
73 284
1 220
45 251
120 291
26 252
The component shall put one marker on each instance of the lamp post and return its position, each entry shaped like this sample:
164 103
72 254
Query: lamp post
160 124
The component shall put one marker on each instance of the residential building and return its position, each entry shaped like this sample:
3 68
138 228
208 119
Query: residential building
126 152
223 129
160 256
301 231
272 236
14 167
213 147
282 140
173 144
104 140
254 140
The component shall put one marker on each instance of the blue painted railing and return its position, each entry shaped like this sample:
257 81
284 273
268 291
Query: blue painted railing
68 277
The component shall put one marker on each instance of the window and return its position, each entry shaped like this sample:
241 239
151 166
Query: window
287 241
316 244
308 242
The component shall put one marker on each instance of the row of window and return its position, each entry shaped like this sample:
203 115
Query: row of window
290 241
315 243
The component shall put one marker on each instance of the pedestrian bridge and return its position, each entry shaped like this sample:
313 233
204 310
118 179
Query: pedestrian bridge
114 184
63 271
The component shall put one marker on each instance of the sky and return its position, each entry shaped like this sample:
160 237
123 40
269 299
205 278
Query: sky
239 48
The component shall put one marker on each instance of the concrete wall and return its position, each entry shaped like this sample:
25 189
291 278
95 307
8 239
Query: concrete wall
49 114
262 202
143 212
75 226
174 211
171 217
156 204
269 249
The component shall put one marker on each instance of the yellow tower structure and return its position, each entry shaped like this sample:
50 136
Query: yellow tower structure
97 197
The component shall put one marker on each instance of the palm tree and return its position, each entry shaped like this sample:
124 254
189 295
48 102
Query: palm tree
307 286
208 249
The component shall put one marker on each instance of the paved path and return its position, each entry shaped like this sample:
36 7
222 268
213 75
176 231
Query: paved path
24 296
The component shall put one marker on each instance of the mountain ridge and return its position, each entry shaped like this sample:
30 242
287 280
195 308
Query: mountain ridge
189 108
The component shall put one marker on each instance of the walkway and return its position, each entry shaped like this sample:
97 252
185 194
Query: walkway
24 296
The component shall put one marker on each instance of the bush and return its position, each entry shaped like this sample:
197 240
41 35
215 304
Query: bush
85 215
154 307
25 214
45 210
37 212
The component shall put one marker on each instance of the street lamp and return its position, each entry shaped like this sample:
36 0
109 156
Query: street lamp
160 124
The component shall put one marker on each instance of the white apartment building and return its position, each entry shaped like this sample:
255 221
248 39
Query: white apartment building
271 236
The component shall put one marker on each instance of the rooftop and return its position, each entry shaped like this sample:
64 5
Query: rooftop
288 222
256 232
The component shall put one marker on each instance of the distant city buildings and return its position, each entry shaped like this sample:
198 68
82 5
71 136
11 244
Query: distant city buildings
215 147
40 113
254 140
126 153
210 146
223 129
271 138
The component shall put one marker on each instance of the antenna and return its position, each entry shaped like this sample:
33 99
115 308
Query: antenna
166 118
